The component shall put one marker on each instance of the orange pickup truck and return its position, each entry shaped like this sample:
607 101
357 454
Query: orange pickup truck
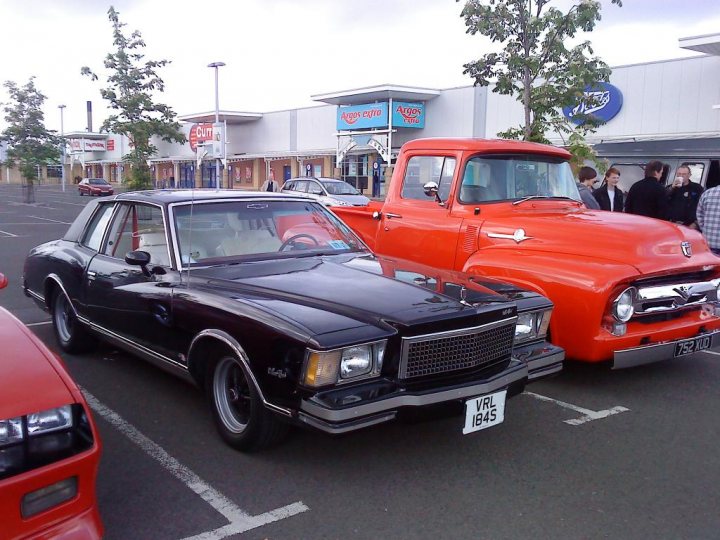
627 289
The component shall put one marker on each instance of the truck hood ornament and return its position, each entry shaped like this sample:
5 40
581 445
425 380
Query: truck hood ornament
518 236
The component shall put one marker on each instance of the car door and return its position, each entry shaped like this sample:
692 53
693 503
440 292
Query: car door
417 227
128 302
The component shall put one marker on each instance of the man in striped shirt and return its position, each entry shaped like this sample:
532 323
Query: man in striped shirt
708 218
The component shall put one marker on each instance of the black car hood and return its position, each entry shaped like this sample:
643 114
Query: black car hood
334 289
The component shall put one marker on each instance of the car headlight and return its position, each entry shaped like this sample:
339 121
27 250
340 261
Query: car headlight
532 325
39 423
623 307
323 368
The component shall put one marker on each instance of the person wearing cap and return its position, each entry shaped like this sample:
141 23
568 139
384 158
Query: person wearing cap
587 176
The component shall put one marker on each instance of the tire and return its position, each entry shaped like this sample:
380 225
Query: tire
70 333
239 413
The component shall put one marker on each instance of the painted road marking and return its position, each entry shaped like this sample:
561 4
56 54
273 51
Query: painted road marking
712 352
11 235
240 521
48 219
38 323
588 415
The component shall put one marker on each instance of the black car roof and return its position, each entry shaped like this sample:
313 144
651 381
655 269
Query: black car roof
171 196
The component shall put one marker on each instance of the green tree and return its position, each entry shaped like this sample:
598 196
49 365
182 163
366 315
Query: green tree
30 144
535 64
131 83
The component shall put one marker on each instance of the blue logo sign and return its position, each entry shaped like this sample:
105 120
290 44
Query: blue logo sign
409 115
605 102
372 115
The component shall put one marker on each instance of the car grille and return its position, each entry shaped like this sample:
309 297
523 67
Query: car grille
651 300
455 350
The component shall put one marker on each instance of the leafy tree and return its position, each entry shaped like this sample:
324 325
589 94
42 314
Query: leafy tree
30 144
130 87
535 64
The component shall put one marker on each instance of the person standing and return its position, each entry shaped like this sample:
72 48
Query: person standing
609 196
708 218
587 176
683 196
269 185
647 197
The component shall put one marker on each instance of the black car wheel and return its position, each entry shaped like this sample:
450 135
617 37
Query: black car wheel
239 413
72 336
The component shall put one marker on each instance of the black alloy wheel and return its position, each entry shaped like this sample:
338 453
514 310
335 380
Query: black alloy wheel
239 413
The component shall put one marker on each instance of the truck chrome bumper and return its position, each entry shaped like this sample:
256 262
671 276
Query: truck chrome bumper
648 354
351 418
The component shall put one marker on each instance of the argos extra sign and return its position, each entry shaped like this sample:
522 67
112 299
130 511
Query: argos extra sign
409 115
372 115
606 102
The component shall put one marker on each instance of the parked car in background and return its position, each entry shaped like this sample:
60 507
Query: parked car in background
49 447
280 312
329 191
94 186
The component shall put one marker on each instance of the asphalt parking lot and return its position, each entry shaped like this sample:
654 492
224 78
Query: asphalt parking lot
589 454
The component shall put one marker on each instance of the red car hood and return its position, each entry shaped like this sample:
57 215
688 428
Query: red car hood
29 372
649 245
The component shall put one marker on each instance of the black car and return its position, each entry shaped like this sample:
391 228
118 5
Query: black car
279 311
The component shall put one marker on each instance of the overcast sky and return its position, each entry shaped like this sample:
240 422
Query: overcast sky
281 52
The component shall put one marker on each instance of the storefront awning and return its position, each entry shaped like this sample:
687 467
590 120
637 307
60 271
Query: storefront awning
708 44
371 94
231 117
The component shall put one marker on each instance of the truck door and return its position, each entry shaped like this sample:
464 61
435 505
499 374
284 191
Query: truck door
416 226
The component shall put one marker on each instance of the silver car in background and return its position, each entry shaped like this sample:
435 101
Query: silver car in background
329 191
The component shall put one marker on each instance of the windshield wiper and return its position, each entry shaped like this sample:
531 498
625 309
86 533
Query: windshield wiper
530 197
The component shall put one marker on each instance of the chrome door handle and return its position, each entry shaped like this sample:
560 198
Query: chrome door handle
91 275
392 216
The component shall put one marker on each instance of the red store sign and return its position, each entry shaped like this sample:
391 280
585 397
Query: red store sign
200 133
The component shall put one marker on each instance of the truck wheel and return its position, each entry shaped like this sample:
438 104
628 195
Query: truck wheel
239 413
70 333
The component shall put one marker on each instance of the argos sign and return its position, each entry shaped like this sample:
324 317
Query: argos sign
372 115
409 115
200 133
606 102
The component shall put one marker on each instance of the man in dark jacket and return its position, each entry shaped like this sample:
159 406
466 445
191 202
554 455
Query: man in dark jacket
647 197
587 176
683 197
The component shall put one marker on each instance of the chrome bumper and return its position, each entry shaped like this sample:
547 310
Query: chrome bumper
542 359
647 354
341 420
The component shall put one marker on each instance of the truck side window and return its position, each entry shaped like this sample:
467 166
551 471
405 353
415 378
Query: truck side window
423 169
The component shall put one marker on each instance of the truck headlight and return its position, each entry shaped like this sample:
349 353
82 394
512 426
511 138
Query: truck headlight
623 307
339 366
532 325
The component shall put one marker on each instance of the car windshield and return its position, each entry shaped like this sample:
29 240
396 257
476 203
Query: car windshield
98 182
497 178
218 232
340 188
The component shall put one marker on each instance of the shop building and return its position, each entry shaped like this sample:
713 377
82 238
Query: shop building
667 108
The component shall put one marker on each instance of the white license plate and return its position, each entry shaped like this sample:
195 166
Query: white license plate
693 345
484 412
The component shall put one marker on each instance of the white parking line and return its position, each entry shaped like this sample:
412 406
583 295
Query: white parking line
240 521
11 235
38 323
712 352
48 219
588 415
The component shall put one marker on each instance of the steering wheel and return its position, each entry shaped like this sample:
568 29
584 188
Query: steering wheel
294 237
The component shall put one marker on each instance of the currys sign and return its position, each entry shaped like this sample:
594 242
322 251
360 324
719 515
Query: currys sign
200 133
605 101
409 115
372 115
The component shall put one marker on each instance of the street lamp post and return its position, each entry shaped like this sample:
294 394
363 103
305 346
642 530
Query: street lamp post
217 65
62 137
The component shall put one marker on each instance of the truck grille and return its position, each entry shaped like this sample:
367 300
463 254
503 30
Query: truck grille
455 350
675 296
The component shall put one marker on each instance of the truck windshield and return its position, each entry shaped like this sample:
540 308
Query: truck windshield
498 178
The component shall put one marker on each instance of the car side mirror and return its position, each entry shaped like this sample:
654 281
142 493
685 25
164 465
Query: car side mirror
431 189
139 258
3 281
